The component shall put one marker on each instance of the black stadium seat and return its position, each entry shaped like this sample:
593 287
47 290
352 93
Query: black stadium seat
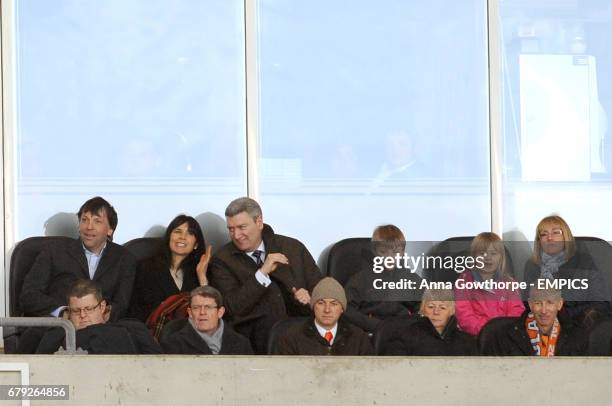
172 327
389 329
22 259
347 257
280 328
454 247
143 248
600 338
488 334
601 252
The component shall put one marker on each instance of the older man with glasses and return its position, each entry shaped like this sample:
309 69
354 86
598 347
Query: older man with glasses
89 313
206 333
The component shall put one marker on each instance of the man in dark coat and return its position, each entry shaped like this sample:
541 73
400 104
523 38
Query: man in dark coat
205 332
88 312
263 276
368 306
582 306
92 257
540 331
326 334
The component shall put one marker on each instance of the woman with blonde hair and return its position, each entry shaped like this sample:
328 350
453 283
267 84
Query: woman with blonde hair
475 307
435 331
555 256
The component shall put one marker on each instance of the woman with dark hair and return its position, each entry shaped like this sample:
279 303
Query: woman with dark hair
556 256
180 265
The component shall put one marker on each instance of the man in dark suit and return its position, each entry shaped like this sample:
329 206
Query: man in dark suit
93 256
205 332
88 312
263 276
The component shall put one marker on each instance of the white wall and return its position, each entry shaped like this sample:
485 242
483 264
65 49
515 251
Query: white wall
188 380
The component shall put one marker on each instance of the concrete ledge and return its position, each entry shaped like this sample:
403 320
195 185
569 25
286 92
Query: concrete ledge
353 381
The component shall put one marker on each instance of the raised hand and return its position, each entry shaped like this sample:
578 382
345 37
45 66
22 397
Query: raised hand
301 295
202 266
272 261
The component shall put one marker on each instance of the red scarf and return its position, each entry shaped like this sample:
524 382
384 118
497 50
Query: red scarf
172 308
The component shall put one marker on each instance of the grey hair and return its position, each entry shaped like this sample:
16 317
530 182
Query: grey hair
243 204
536 293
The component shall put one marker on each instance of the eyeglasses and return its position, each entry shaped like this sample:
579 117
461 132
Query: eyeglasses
87 310
199 308
555 232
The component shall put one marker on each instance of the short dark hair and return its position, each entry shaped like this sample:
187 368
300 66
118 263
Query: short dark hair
207 291
95 205
84 287
194 228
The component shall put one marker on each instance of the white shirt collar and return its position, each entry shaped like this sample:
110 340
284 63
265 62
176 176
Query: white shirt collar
323 330
261 248
87 251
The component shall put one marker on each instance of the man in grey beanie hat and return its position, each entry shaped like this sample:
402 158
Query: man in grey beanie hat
326 333
328 288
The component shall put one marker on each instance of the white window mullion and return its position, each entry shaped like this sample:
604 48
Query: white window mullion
9 120
495 115
252 97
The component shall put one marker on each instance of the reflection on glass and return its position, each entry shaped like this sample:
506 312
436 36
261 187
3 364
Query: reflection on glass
557 100
376 112
135 99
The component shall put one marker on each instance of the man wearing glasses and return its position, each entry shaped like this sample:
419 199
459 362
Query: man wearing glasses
89 313
205 332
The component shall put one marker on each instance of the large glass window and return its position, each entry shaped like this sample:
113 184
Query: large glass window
557 74
142 102
374 112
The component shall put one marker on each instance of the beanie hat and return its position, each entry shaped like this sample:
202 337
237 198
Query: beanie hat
328 288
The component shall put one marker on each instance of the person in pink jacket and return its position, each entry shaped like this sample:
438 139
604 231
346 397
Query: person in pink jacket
475 307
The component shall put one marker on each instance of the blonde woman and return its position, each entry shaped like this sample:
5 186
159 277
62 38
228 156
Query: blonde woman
435 331
555 256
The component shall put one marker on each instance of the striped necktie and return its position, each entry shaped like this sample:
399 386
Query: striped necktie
257 255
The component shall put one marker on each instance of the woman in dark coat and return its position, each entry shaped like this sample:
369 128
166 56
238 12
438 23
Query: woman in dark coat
180 265
435 332
555 256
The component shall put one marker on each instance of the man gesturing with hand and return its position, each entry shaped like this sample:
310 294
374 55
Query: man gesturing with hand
263 276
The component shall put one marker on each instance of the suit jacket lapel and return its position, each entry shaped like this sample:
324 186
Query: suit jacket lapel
249 265
283 273
107 260
193 339
77 252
